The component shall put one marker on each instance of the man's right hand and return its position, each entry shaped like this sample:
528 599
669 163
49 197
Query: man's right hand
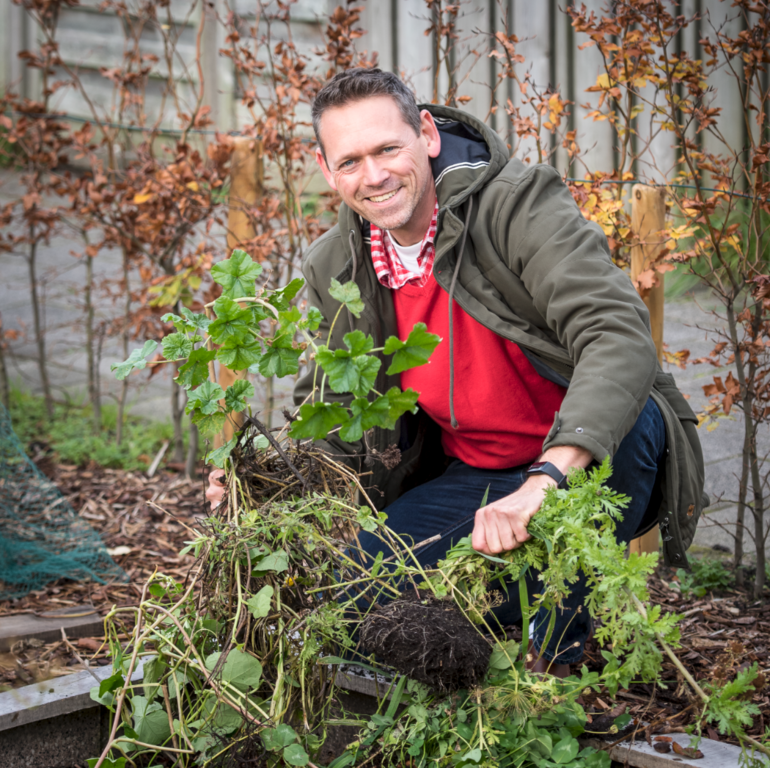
216 490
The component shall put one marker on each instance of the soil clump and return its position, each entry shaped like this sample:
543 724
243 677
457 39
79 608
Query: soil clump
428 640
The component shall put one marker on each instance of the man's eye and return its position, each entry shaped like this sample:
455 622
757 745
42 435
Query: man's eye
389 150
346 165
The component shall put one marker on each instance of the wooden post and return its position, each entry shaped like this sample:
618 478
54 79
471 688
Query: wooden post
648 217
246 178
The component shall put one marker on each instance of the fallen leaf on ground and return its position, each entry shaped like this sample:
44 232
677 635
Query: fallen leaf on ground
688 752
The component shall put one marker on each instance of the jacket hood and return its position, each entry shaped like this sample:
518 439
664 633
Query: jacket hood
472 154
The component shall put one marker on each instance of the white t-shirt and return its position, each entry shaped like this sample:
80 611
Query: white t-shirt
407 255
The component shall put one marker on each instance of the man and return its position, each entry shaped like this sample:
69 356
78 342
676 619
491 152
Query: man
546 360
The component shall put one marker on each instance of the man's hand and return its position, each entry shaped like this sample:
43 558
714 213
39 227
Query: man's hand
502 525
216 490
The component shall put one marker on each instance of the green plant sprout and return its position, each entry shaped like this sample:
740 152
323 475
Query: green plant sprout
239 662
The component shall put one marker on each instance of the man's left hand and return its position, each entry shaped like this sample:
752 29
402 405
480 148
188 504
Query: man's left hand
502 525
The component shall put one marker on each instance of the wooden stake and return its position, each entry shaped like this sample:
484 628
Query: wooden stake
246 178
648 217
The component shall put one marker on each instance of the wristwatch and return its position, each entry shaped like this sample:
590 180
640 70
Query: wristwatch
546 468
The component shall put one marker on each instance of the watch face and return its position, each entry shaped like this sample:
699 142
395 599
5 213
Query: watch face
536 466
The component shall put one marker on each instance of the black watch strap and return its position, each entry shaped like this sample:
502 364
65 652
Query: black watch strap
546 468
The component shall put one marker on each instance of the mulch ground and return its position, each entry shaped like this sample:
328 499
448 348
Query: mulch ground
147 521
722 634
143 522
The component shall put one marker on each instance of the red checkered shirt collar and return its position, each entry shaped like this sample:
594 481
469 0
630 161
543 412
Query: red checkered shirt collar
388 267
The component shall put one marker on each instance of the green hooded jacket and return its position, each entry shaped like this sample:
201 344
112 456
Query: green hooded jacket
514 251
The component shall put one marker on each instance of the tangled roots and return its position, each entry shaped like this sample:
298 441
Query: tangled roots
428 640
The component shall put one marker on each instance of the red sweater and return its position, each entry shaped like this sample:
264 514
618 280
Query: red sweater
503 407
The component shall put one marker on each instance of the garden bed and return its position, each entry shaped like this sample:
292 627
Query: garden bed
143 521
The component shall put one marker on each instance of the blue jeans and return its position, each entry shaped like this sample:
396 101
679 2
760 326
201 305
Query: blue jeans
447 505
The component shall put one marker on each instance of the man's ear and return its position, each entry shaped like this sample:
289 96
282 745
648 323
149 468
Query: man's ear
319 158
429 132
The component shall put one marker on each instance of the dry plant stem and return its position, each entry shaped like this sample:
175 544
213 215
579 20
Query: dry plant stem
266 432
164 690
122 696
72 648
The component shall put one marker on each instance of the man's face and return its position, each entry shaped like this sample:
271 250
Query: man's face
377 163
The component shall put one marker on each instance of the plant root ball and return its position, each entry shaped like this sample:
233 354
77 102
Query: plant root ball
428 640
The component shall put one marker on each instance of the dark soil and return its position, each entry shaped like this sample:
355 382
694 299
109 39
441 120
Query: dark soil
428 640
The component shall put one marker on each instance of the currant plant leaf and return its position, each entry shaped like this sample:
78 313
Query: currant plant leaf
135 361
365 416
347 294
219 456
280 299
416 350
401 402
208 423
237 394
180 323
239 355
176 346
313 319
232 321
205 398
199 322
237 274
280 358
316 420
196 370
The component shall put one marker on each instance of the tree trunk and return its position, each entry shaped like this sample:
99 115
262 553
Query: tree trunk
93 384
38 325
192 453
740 518
5 390
177 411
758 510
126 318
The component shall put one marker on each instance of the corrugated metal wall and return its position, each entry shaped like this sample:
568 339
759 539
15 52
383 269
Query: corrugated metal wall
396 30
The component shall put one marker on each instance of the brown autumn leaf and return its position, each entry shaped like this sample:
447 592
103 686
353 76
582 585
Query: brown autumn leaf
688 752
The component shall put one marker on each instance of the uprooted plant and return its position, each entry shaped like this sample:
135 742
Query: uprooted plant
239 663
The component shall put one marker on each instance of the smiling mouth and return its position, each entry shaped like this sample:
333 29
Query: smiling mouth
382 198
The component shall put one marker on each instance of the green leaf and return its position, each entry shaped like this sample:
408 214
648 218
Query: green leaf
279 737
150 721
280 358
111 683
135 361
313 320
232 321
240 669
239 355
280 299
294 754
503 656
196 370
219 456
277 561
209 424
198 322
119 762
226 719
416 350
205 398
180 323
237 274
316 420
474 756
348 294
259 604
236 394
176 346
401 402
565 751
350 370
365 416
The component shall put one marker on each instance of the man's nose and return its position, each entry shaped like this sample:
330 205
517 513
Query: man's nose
375 174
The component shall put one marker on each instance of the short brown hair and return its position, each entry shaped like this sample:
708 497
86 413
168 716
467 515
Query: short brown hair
361 83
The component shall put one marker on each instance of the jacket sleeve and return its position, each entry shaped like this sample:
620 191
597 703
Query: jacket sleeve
588 303
318 296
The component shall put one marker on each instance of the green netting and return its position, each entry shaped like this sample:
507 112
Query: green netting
41 537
